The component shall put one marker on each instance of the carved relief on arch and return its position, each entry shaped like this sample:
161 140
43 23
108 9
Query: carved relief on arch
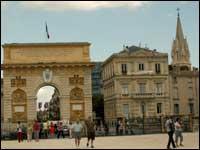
76 94
19 96
19 106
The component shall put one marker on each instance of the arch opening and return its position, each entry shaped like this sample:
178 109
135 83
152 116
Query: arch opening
48 103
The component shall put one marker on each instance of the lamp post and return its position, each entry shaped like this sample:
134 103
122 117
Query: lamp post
143 111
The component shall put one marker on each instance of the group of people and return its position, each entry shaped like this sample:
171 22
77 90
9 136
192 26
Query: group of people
75 129
172 128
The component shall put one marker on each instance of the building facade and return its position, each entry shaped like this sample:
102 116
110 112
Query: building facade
135 83
29 66
183 78
97 79
2 100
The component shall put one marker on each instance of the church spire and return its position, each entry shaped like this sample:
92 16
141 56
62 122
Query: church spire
180 51
179 31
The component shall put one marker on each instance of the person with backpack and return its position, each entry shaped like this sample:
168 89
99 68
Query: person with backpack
170 130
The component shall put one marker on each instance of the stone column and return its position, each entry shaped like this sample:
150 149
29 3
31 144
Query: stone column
64 107
31 108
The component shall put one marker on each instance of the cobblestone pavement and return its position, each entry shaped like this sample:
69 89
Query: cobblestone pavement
152 141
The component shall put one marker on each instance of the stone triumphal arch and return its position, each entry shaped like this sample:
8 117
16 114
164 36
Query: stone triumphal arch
29 66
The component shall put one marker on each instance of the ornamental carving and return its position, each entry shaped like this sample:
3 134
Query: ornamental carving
19 106
18 82
76 80
76 94
19 96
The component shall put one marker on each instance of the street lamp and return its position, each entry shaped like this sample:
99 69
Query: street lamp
143 111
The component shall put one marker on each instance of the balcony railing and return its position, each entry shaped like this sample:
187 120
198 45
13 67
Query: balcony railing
137 95
147 95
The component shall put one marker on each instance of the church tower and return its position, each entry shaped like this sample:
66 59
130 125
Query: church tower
180 51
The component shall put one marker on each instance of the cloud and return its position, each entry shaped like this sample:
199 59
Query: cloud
170 14
81 5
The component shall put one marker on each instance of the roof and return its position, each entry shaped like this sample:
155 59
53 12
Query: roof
48 44
133 49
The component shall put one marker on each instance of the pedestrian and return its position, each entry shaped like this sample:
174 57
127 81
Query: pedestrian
170 130
90 125
106 129
29 132
19 132
121 128
41 129
45 128
36 130
70 130
52 130
77 129
60 130
178 132
117 127
55 128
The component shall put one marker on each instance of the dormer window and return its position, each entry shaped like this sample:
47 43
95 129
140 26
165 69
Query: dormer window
157 67
124 68
141 67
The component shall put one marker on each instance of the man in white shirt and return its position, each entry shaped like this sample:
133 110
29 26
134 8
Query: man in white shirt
77 129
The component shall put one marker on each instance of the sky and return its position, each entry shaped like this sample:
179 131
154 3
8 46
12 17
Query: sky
107 25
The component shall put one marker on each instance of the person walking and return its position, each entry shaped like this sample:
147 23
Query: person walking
19 132
36 130
121 127
77 129
29 132
178 132
60 130
90 125
52 130
41 129
70 130
45 128
170 130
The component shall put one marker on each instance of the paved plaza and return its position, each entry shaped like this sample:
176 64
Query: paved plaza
152 141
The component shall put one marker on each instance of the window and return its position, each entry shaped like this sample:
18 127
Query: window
142 88
176 108
190 93
124 69
141 67
191 108
126 110
175 92
159 108
158 87
157 67
124 89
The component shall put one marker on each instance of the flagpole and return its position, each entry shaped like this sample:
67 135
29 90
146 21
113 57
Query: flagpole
47 32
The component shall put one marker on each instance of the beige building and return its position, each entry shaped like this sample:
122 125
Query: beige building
135 82
1 100
29 66
183 79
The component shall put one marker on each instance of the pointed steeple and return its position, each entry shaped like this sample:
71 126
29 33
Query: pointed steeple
180 51
179 31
